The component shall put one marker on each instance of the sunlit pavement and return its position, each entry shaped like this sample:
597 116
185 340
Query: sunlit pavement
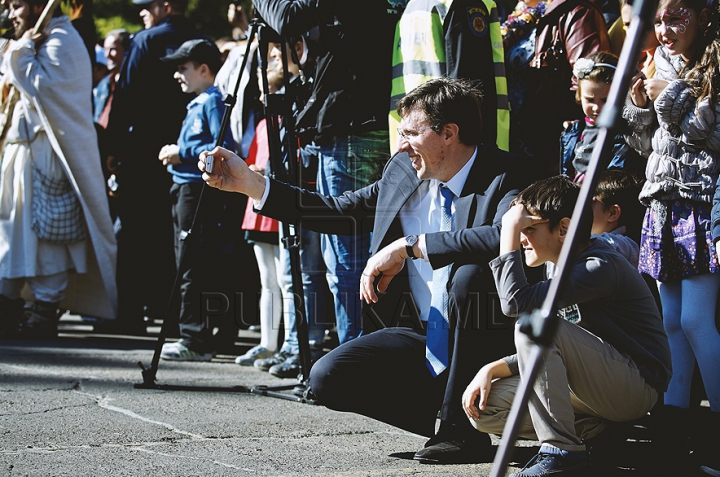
69 407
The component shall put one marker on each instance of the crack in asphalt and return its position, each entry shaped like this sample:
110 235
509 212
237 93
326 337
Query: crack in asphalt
104 402
43 411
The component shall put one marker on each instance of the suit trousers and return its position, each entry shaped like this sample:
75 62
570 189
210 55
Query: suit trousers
383 375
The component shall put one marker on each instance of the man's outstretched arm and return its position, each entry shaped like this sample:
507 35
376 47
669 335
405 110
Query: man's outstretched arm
230 173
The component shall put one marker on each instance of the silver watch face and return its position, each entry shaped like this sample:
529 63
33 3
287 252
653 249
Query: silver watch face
411 240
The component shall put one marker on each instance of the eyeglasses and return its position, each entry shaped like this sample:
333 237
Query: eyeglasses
410 134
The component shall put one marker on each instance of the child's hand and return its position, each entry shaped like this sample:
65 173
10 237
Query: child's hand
654 87
519 217
513 222
474 399
170 154
567 124
637 92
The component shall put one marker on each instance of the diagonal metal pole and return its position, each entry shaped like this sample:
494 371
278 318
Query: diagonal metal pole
541 324
149 374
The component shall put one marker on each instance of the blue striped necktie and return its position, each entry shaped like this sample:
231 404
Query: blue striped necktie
438 324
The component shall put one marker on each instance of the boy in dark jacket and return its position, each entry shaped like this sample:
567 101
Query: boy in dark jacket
609 358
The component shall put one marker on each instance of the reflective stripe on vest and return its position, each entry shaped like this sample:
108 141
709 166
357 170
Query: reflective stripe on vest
419 56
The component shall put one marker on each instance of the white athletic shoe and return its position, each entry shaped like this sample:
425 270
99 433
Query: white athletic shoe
179 352
257 352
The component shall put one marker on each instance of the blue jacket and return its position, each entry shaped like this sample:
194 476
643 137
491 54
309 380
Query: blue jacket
199 133
623 156
149 105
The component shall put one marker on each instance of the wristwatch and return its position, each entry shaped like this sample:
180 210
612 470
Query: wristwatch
410 240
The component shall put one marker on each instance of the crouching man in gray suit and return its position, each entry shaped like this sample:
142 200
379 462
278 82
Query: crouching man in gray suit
435 216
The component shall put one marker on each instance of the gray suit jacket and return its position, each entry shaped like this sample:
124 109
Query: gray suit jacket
488 192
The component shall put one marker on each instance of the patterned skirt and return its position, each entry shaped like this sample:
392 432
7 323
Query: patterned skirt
676 241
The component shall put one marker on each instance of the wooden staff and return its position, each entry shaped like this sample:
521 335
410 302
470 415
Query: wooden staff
8 93
46 15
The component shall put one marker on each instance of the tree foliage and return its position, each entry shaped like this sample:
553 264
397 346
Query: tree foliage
207 16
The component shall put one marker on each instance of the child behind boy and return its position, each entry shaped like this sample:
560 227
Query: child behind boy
609 359
617 212
594 74
197 63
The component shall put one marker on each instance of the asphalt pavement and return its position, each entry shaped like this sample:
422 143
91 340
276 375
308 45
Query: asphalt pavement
69 407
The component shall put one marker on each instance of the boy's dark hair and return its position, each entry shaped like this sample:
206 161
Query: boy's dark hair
445 100
621 187
553 199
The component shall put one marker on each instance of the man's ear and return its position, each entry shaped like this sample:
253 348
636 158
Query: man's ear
563 227
167 8
299 49
613 213
37 10
450 132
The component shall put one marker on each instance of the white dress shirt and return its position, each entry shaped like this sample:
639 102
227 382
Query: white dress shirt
421 215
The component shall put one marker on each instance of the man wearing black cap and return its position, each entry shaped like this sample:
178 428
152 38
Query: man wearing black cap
149 107
197 63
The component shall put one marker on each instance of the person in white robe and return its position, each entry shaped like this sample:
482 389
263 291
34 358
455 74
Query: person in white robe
48 133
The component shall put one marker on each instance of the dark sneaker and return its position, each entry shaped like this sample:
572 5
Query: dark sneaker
266 363
290 368
549 465
41 321
456 448
11 316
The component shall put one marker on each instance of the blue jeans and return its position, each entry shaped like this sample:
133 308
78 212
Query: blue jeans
349 163
313 276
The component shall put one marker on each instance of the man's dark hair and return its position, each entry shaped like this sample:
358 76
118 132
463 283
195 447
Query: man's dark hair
444 101
621 187
553 199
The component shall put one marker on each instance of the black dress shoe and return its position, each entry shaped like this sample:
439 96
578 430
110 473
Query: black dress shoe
456 449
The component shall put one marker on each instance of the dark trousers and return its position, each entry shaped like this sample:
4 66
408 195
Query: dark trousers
145 259
198 254
383 375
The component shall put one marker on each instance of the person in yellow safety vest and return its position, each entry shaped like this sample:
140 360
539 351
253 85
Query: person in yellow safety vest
457 39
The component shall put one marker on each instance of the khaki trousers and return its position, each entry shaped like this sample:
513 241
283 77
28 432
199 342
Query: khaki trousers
582 382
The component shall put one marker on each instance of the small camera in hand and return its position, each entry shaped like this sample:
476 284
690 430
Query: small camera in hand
209 161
